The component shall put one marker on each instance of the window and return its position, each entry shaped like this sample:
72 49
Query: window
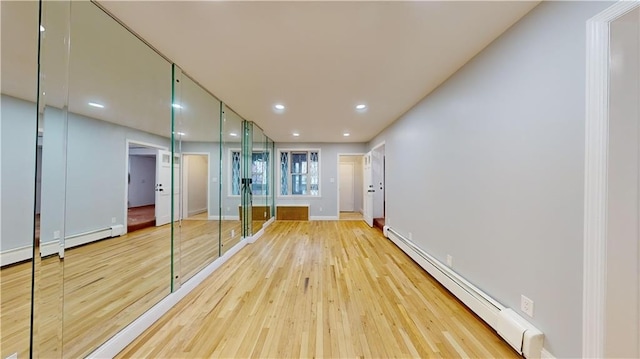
259 173
299 173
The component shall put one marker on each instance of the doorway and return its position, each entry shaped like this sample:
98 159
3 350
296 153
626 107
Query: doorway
195 186
141 183
350 182
378 181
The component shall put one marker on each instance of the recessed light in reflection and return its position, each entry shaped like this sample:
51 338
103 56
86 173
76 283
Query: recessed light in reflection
41 28
233 134
295 134
279 106
180 133
175 105
361 106
93 104
346 134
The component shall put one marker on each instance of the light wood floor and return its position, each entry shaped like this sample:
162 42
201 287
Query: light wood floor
319 289
15 313
351 216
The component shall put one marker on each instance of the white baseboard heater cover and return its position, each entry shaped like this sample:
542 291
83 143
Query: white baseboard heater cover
520 334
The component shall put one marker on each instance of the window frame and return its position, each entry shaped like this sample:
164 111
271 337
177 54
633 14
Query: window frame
289 174
230 171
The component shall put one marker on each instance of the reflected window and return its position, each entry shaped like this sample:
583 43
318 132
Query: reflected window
299 173
259 173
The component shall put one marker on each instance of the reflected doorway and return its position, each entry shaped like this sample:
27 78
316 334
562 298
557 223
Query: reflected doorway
142 163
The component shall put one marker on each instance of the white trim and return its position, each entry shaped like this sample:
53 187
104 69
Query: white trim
324 218
230 170
278 171
16 255
128 334
544 354
377 146
50 248
88 237
596 177
338 180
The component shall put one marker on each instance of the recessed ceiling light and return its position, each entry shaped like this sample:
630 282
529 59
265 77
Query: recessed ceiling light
295 134
175 105
346 134
279 106
41 28
93 104
361 106
181 134
233 134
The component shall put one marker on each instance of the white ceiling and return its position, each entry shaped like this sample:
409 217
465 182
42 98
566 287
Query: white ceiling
319 59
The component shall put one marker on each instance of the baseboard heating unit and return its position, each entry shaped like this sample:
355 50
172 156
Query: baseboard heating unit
515 330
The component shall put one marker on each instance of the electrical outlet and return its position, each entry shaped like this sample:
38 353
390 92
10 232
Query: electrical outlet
449 260
56 234
526 305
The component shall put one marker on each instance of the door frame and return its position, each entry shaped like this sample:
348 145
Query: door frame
185 186
338 179
376 148
129 142
353 185
596 177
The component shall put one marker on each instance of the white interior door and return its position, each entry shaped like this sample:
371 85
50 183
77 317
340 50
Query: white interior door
368 189
163 187
346 187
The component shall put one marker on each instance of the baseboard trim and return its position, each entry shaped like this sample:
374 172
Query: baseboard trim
324 218
49 248
16 255
544 354
127 335
229 218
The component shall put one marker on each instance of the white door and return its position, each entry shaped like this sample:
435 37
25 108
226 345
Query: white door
368 189
346 187
163 187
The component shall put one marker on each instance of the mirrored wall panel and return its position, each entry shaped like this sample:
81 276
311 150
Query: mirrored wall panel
260 175
115 227
19 152
197 147
231 179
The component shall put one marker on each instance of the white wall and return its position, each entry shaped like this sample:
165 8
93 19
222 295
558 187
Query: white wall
622 318
489 168
326 205
142 170
18 123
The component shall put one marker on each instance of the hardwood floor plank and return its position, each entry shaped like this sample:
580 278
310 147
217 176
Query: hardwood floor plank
319 289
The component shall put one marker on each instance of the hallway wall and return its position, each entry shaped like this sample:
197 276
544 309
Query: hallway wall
489 168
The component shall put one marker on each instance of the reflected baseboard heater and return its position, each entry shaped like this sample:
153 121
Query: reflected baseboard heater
92 236
519 333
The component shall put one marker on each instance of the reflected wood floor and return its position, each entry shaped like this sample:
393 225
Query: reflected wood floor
15 309
319 289
107 285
